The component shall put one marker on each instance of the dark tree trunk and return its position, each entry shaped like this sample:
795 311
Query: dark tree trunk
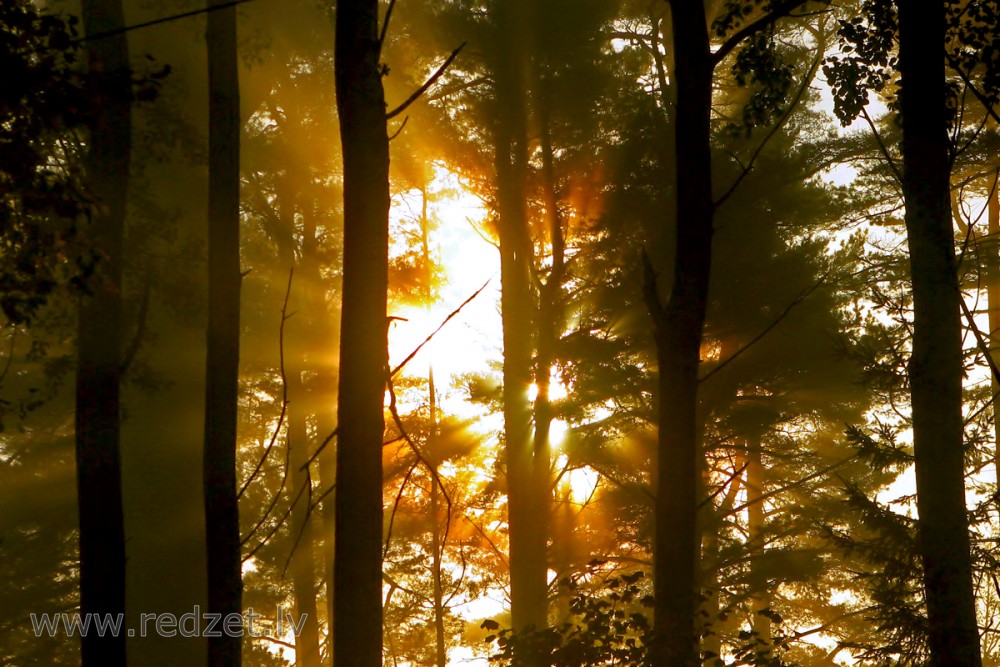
935 368
98 459
357 623
225 587
678 332
528 567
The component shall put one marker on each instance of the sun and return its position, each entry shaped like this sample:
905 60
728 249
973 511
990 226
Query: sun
471 337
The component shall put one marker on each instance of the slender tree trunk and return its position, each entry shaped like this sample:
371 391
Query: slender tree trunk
564 548
678 333
711 521
357 622
440 647
761 598
528 569
935 367
992 270
98 458
322 397
547 325
303 564
222 520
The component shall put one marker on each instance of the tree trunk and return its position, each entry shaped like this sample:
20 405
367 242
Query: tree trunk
303 560
678 332
357 623
711 520
528 568
222 520
760 594
935 367
549 324
991 265
98 459
322 398
294 353
440 647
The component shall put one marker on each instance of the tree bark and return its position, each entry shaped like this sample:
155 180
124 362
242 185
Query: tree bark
357 624
935 367
678 332
225 587
98 379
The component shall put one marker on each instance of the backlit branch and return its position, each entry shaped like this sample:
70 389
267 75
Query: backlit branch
424 88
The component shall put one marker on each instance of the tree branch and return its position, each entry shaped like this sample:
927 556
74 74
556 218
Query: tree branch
782 10
424 88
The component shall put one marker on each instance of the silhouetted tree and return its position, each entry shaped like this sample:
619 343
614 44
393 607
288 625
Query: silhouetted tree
936 362
357 621
222 522
98 380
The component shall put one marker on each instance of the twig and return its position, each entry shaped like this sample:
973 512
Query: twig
424 88
451 315
420 458
385 25
277 525
486 537
284 391
781 11
975 91
882 146
806 80
980 341
395 507
165 19
796 301
400 129
792 485
307 483
322 446
722 487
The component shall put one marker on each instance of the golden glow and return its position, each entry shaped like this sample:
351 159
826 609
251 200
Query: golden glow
557 432
582 481
471 339
557 390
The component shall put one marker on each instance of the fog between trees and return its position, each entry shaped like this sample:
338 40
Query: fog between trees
529 333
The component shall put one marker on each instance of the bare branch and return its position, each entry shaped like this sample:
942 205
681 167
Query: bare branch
165 19
452 314
385 25
796 301
806 80
284 394
424 88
